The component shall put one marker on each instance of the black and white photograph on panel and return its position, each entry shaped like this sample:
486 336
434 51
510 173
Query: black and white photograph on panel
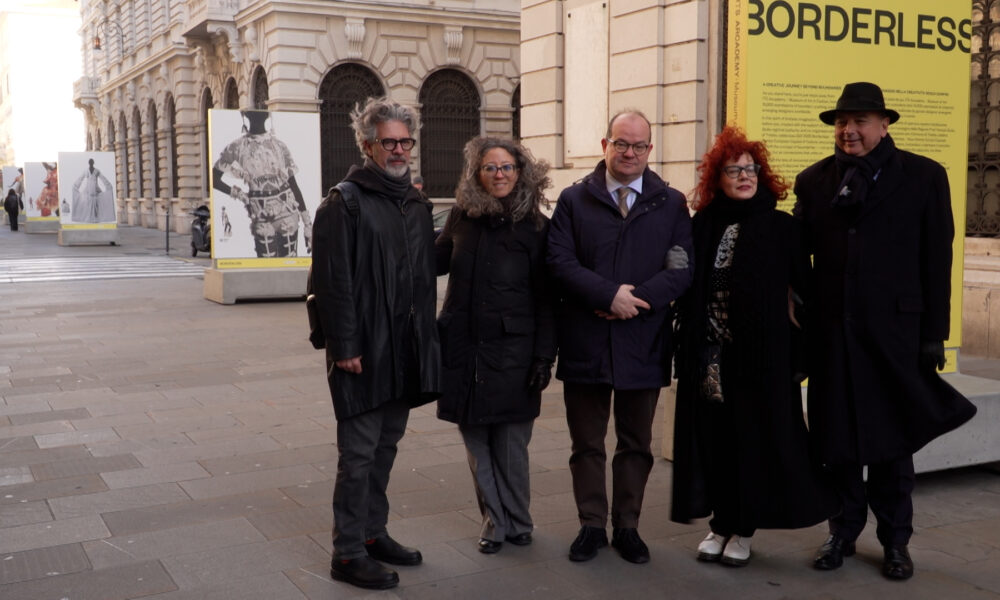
265 183
87 188
41 190
13 179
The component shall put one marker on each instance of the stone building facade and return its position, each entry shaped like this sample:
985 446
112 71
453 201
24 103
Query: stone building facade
153 68
584 60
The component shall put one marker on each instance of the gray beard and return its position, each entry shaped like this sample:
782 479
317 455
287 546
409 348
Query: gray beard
397 171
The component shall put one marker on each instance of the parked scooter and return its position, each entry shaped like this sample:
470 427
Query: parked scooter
201 231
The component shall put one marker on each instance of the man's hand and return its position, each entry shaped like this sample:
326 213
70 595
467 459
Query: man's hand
351 365
931 356
625 305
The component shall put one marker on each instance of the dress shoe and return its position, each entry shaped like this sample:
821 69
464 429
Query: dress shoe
831 554
630 545
489 546
388 550
897 563
587 543
364 572
737 552
521 539
710 548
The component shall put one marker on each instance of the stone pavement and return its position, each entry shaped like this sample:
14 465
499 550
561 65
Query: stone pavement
157 445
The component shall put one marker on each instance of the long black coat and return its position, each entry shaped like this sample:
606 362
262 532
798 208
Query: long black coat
881 284
592 251
496 318
779 483
370 271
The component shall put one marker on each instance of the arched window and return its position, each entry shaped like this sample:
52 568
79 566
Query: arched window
170 138
136 176
231 97
450 114
154 152
260 91
515 115
342 88
206 104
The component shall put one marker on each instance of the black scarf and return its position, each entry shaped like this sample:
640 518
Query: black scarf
859 172
374 178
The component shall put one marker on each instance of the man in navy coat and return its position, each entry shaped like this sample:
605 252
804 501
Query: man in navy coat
878 223
619 244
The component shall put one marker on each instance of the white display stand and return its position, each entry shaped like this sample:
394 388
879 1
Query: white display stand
226 286
49 226
87 237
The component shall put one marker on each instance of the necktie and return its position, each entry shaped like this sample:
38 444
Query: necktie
623 199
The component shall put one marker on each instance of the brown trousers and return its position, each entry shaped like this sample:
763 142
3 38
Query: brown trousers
588 409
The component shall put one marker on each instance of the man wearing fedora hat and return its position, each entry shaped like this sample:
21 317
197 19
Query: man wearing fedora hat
878 223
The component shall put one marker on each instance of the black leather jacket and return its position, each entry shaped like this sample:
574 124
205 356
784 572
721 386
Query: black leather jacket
373 275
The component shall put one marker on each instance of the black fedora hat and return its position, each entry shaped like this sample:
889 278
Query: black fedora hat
859 97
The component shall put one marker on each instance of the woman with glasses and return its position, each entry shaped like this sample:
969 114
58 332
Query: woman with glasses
497 332
741 451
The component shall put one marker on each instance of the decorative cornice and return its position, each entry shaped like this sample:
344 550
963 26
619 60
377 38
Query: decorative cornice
354 31
453 42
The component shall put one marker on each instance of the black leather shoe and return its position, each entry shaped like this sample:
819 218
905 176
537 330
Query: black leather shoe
630 545
521 539
489 546
587 543
831 554
897 563
388 550
363 572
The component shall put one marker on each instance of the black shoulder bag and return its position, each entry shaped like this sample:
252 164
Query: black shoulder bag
349 194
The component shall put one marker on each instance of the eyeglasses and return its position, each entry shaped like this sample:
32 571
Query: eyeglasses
492 169
622 147
733 171
390 144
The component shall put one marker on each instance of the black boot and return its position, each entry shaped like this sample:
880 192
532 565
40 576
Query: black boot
388 550
365 572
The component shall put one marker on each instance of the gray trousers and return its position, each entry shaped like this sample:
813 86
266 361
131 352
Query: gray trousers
498 457
367 447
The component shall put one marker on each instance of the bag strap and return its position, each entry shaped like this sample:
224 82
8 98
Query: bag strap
349 192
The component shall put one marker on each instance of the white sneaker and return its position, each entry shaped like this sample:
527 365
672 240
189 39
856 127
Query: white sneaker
710 549
737 552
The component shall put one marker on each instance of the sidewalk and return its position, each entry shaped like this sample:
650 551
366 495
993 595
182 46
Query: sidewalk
157 445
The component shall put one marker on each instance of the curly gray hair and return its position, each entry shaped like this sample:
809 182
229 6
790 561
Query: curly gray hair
379 110
528 193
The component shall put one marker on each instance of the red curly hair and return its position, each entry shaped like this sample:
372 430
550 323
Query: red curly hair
730 144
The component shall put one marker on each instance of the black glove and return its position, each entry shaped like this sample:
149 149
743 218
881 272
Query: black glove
539 374
931 356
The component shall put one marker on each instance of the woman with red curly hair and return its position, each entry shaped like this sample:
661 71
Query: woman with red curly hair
741 450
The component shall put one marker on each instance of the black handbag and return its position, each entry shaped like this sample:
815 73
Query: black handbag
316 337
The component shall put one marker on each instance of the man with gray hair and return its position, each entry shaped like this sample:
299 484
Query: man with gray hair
374 282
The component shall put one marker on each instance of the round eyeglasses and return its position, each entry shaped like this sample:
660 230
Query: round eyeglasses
390 143
733 171
492 169
621 147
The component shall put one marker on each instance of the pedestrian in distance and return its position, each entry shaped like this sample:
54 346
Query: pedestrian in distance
496 326
11 204
375 290
619 243
878 224
741 448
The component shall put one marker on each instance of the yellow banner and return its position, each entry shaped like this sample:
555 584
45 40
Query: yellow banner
788 60
263 263
91 226
43 218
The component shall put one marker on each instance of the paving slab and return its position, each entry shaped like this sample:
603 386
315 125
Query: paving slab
42 563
